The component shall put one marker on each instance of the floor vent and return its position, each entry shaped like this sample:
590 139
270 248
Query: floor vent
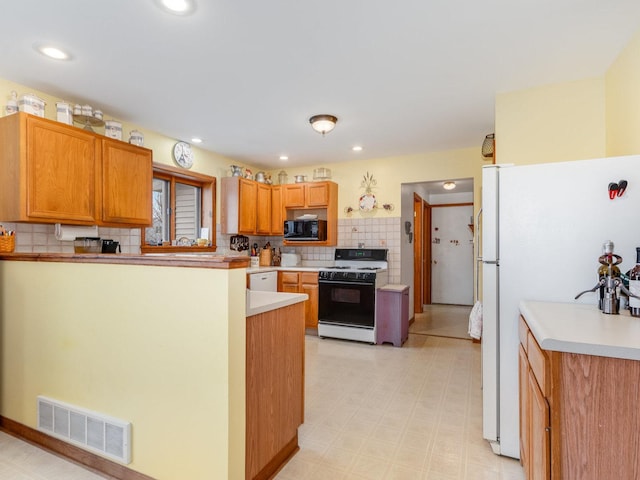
92 431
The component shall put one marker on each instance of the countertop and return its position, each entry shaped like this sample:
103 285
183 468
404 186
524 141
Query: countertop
582 328
260 302
275 269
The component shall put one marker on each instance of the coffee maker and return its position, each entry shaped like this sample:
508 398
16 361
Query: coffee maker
609 281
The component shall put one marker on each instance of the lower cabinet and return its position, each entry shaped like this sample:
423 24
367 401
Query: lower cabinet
302 282
274 389
578 414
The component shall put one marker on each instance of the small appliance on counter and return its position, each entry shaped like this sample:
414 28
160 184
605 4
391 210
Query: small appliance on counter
110 246
87 245
290 259
609 281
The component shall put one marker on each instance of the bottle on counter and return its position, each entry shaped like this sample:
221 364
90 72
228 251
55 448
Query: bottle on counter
634 286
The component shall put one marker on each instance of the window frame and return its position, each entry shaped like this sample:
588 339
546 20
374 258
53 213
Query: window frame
207 186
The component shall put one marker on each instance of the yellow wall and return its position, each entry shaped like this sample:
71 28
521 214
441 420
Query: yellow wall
623 101
205 161
390 173
160 347
551 123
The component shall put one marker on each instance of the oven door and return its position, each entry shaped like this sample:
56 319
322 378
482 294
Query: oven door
349 304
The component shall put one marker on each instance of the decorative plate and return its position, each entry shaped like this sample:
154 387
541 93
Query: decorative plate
368 202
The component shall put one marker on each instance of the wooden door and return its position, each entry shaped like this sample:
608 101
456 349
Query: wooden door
317 195
127 178
426 253
540 443
247 202
277 213
417 253
62 168
309 285
525 409
263 204
293 195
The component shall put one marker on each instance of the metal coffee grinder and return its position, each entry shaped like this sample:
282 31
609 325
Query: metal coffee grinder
609 281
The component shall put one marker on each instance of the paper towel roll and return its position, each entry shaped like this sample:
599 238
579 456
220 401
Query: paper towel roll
70 232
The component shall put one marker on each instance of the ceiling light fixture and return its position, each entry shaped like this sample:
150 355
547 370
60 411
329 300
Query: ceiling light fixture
323 123
449 185
177 7
52 52
196 140
284 158
357 148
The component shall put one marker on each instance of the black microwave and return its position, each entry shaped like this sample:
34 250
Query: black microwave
305 230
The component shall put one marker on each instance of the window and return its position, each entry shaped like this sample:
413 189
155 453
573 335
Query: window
183 203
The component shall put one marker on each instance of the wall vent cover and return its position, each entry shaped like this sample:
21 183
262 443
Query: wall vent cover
92 431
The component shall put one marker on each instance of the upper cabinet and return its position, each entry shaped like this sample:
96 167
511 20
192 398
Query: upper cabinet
308 195
249 207
56 173
316 198
127 179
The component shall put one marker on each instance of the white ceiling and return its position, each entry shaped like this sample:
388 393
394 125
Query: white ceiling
404 77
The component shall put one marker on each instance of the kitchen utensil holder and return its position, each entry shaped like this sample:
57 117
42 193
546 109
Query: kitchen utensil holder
7 243
265 257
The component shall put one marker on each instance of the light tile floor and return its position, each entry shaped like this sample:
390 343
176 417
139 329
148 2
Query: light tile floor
443 321
22 461
382 412
372 413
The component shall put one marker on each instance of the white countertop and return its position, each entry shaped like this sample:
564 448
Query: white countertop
275 269
260 302
582 328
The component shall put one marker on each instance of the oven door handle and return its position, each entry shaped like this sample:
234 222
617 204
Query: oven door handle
321 282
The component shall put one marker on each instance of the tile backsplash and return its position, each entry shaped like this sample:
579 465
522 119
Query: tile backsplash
357 232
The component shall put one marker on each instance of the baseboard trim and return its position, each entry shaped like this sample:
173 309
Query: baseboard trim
70 452
279 460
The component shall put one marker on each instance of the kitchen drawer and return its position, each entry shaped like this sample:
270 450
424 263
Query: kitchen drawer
309 277
289 277
538 363
523 331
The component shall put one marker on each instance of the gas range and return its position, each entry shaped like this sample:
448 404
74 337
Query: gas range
357 265
347 294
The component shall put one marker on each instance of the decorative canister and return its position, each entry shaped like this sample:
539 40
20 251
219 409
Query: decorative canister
12 104
64 113
32 104
136 138
87 110
97 114
77 109
113 129
282 177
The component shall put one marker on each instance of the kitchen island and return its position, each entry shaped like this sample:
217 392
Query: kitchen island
157 341
579 390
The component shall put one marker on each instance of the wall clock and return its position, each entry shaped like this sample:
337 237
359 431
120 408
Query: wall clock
183 155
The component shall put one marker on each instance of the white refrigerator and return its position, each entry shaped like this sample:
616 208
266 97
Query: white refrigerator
543 227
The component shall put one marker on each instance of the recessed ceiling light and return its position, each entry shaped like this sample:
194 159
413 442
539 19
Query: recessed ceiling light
196 140
357 148
178 7
449 185
284 158
52 52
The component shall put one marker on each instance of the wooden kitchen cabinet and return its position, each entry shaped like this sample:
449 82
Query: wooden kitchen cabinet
56 173
277 217
274 389
579 413
302 282
127 173
250 208
263 209
307 195
315 198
